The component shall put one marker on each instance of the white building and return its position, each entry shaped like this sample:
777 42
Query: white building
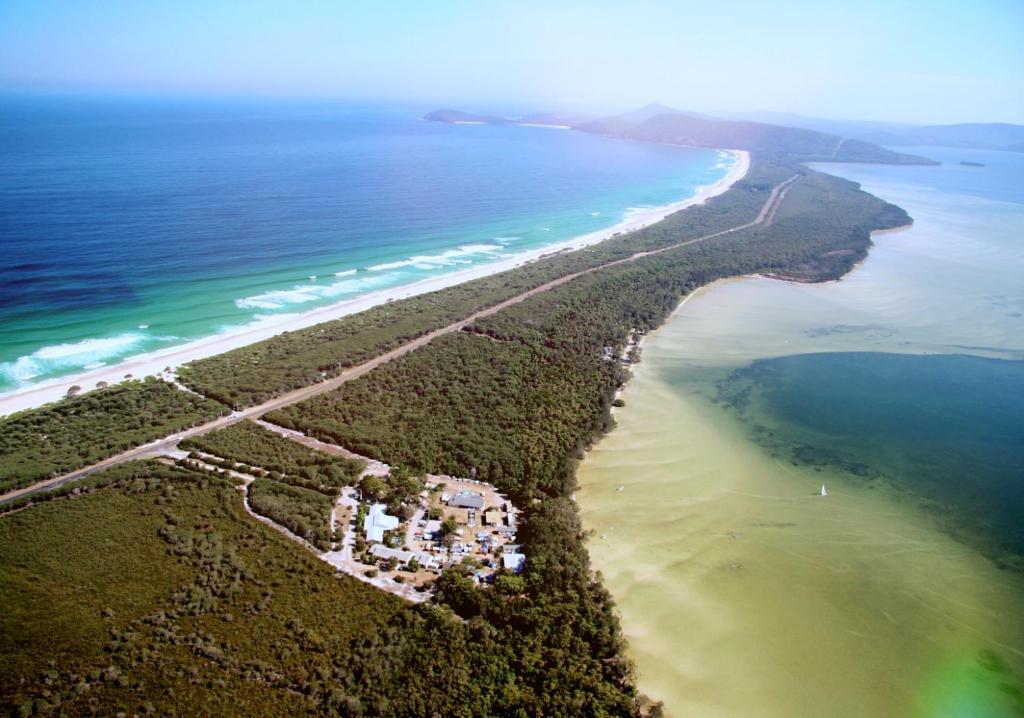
377 522
513 561
432 528
381 551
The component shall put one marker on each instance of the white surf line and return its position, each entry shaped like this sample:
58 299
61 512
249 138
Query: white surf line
302 393
153 363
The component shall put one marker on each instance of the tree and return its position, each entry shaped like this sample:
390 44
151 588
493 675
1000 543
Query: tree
448 528
511 584
374 487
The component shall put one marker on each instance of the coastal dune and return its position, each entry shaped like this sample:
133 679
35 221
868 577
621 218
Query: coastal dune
155 363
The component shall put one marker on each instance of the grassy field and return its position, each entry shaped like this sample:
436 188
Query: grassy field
159 594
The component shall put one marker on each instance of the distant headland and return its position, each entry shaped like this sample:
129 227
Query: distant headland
458 117
660 123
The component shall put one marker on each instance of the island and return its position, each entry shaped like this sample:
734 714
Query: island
458 117
542 119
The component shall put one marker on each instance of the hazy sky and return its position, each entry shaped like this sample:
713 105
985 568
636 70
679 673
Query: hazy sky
900 60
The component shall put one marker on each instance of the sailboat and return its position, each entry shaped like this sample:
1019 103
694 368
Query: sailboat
824 491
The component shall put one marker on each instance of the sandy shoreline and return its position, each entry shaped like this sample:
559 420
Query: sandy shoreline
717 543
154 363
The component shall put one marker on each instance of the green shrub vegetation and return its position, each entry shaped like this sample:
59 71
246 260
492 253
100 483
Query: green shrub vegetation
552 650
257 372
518 405
512 412
159 594
304 512
513 399
517 398
73 433
289 461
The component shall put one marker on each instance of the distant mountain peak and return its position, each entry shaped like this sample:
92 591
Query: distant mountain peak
658 108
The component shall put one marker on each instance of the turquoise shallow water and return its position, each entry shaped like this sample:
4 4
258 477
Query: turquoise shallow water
131 225
916 379
742 591
946 431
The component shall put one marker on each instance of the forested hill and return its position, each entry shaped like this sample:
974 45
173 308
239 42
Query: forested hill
798 143
659 123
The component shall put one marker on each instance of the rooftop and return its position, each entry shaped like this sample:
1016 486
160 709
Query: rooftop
382 551
466 500
513 561
377 522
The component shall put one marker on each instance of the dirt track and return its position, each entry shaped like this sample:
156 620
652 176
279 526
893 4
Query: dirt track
168 445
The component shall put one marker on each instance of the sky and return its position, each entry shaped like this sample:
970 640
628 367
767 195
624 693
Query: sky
934 61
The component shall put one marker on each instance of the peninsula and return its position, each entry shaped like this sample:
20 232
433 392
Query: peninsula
201 509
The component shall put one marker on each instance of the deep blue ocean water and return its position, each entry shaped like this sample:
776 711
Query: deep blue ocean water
132 225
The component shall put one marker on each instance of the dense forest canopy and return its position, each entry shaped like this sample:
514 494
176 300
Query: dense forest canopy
514 398
158 595
254 373
251 447
76 432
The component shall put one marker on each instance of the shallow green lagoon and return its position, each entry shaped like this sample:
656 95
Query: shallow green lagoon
744 593
946 430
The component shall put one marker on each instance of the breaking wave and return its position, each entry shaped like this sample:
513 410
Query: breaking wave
88 353
444 259
305 293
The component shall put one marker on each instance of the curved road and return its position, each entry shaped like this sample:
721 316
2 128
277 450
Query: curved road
168 445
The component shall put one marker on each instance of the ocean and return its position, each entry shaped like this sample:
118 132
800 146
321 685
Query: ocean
901 389
132 225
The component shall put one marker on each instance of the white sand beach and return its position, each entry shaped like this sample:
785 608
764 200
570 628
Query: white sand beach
155 363
542 124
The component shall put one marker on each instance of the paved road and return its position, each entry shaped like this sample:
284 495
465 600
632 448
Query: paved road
167 445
